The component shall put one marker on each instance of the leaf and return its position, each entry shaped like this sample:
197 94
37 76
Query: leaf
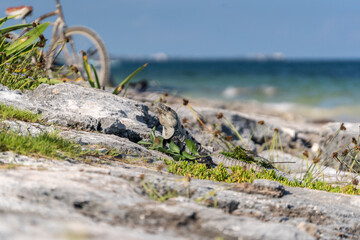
3 20
87 69
188 156
160 149
192 147
173 147
128 78
144 143
13 28
96 77
158 142
152 134
27 39
177 157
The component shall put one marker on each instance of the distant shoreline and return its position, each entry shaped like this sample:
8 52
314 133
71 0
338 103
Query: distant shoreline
287 111
326 89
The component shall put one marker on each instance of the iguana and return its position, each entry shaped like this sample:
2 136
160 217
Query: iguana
174 131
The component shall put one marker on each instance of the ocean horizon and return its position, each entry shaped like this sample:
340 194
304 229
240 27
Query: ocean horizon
331 84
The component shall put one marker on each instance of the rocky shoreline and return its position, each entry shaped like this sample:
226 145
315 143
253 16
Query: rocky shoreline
109 198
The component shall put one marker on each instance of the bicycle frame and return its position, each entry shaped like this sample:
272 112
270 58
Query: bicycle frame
59 27
59 23
61 42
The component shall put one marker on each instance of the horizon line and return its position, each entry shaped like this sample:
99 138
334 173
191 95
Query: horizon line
242 58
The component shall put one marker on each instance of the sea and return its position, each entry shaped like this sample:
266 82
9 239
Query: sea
329 88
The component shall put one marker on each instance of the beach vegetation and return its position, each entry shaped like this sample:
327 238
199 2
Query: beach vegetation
93 78
42 145
313 177
154 194
240 175
125 83
232 127
91 72
347 158
12 113
224 141
50 145
22 64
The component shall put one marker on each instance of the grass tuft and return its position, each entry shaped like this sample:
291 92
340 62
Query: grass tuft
240 175
154 194
43 145
9 112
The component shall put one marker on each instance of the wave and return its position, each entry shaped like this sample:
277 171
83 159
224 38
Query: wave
233 92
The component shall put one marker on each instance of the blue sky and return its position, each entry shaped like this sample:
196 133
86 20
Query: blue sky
217 28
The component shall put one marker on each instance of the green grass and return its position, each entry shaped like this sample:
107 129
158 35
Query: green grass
9 112
43 145
156 195
239 175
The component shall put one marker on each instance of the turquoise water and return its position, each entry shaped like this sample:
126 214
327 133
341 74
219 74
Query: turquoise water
324 84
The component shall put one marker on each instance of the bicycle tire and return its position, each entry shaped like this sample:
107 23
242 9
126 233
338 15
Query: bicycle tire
70 32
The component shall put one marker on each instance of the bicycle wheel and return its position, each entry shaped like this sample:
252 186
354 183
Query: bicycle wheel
69 53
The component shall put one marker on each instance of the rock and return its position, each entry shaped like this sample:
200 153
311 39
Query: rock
53 205
92 109
93 140
261 186
299 135
270 186
123 145
56 199
309 228
14 98
25 128
85 108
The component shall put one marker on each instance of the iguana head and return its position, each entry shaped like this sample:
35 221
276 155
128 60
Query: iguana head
168 119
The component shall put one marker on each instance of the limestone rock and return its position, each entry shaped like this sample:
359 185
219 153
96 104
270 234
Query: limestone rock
92 109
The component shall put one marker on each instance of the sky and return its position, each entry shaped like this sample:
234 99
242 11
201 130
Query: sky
216 28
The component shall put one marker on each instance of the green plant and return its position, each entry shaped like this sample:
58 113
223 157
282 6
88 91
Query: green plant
93 78
52 146
46 145
233 128
216 134
125 82
208 196
155 195
21 60
88 69
9 112
240 175
346 155
157 143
